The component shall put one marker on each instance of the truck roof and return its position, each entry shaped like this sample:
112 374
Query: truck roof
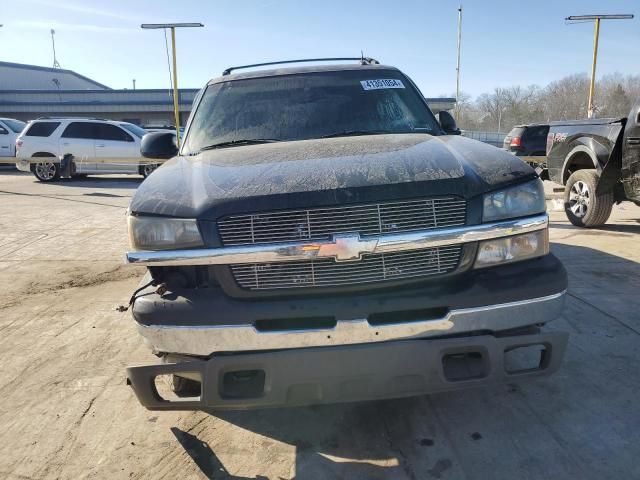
586 121
297 70
84 119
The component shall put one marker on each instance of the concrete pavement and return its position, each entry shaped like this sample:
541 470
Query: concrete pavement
67 413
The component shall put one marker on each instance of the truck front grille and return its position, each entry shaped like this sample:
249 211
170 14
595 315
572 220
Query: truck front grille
323 223
329 273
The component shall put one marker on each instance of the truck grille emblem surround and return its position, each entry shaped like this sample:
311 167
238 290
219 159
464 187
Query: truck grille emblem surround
347 247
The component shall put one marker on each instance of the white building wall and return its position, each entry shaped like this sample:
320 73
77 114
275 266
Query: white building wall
16 76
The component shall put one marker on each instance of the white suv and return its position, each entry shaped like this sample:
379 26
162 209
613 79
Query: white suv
95 144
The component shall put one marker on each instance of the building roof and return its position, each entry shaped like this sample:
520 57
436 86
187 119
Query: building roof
19 76
437 104
43 102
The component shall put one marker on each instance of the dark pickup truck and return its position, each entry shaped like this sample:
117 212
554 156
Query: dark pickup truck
320 236
598 162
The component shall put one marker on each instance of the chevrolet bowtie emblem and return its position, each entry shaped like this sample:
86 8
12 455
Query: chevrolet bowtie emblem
347 246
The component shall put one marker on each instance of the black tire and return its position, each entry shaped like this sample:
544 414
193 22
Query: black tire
581 204
46 171
147 169
184 387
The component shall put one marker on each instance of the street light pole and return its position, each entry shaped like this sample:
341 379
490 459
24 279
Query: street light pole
592 83
458 63
596 37
173 26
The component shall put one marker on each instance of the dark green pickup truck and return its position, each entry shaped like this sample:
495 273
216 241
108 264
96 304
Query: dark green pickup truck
320 237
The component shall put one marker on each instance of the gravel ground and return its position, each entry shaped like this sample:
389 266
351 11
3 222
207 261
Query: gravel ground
67 413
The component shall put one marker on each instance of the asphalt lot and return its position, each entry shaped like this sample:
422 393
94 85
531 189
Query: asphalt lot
67 413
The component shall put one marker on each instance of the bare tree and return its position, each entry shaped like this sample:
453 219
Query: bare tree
564 99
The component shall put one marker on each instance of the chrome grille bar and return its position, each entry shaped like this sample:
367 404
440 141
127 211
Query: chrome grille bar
322 223
327 272
310 250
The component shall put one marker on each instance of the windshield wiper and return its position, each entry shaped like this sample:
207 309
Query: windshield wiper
232 143
350 133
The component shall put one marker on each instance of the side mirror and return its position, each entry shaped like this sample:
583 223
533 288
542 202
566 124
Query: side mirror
448 123
159 145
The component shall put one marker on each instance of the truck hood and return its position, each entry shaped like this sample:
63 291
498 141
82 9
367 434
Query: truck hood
332 170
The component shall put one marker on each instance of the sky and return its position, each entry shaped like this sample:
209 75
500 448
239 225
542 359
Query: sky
504 42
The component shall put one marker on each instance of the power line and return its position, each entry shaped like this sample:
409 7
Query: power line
166 45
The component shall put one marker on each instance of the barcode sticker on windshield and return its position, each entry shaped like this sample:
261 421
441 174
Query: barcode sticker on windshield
381 83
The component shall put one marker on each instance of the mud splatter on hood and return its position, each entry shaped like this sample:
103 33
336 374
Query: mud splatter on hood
191 186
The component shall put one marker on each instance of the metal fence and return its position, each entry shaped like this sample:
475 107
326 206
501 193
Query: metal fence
492 138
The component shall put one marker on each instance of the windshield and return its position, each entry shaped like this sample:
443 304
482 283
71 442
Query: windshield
15 125
136 130
309 105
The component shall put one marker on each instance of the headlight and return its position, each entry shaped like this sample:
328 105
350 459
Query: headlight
158 233
518 201
512 249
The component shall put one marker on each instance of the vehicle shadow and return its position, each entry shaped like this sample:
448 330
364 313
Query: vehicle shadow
561 426
613 227
204 457
111 181
10 170
352 440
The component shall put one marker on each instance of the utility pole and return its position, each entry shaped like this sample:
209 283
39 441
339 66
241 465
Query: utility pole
458 63
53 44
134 83
173 27
596 36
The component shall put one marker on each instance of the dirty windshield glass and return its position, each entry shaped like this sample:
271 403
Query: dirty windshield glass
310 105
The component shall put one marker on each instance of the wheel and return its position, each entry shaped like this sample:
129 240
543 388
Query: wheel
47 172
147 169
583 207
184 387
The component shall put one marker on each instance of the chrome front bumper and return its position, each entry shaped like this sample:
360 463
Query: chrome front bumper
343 247
206 340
